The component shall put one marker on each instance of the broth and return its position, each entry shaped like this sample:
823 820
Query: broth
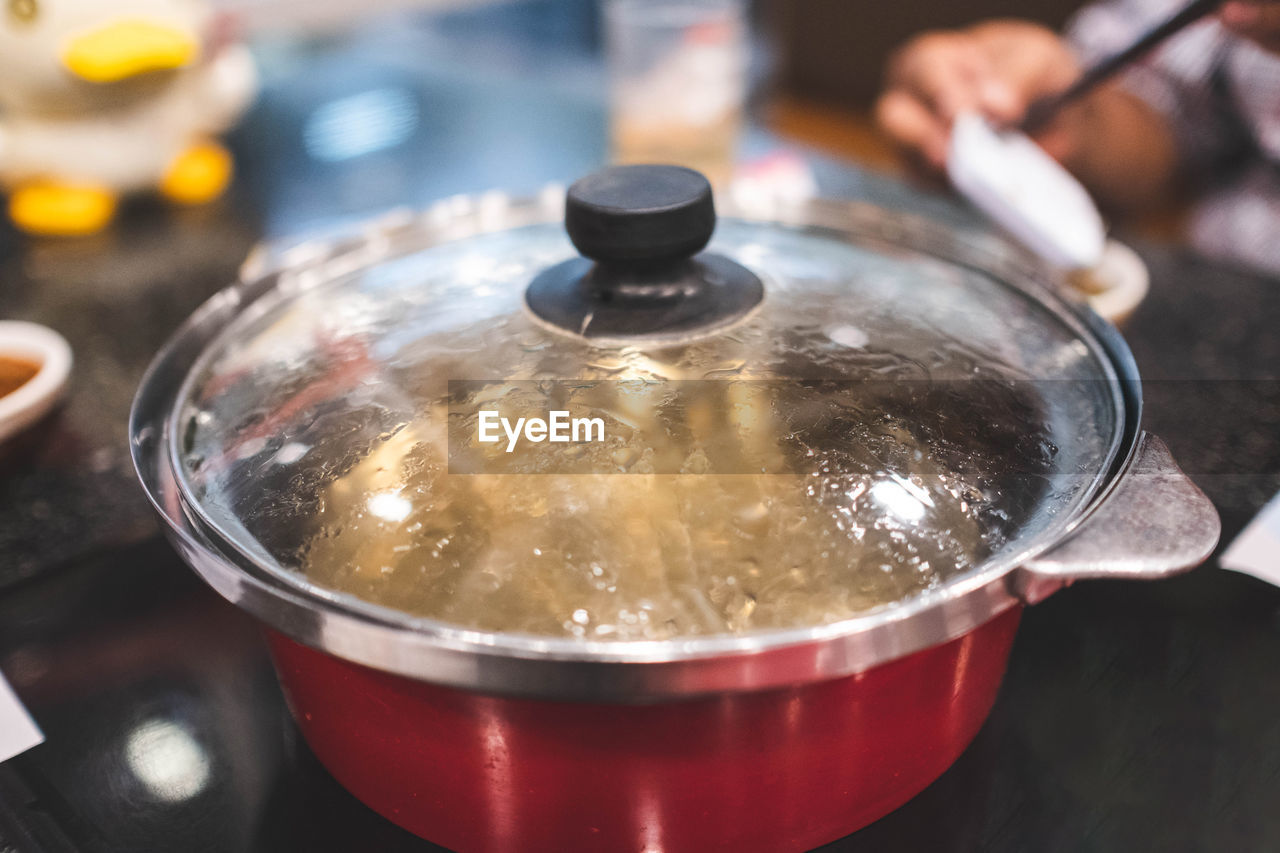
15 372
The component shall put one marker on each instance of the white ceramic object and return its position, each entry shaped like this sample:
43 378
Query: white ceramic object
1025 191
27 404
121 127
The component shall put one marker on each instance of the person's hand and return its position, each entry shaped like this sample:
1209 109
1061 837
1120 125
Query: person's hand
1258 22
996 68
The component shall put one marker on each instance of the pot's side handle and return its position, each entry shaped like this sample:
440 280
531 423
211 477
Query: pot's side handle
1156 523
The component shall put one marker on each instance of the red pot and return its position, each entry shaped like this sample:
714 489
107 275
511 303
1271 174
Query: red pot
778 740
773 770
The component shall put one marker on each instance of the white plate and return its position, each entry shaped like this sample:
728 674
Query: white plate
32 401
1024 190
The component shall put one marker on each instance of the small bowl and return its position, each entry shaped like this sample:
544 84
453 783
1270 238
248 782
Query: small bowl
1117 285
36 397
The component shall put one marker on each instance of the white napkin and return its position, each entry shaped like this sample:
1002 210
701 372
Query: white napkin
1256 551
18 732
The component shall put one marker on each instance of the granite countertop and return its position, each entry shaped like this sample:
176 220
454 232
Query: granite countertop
1133 717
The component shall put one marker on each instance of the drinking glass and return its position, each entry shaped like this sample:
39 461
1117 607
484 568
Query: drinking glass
678 72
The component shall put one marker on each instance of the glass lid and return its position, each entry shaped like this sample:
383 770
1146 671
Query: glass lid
416 434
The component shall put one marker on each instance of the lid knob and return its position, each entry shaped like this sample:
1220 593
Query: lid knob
638 214
643 274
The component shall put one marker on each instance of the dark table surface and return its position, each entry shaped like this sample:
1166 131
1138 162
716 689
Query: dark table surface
1133 717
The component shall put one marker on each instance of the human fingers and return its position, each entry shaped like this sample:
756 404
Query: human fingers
915 127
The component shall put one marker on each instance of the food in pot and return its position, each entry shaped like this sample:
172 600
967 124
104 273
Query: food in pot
866 500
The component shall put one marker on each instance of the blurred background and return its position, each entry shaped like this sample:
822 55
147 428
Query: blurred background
368 106
400 102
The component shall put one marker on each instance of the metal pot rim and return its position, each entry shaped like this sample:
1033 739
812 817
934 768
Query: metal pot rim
568 668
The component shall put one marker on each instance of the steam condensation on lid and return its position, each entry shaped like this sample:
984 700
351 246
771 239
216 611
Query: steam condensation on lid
885 423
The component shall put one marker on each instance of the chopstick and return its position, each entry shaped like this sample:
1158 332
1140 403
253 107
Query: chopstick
1044 109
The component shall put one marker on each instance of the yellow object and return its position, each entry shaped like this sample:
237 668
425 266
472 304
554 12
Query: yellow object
199 174
61 209
127 47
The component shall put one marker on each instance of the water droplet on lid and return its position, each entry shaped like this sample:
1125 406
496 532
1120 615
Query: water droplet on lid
848 336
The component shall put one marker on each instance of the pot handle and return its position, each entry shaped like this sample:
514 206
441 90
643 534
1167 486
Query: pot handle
1155 523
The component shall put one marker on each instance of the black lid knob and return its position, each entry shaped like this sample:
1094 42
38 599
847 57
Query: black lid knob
645 227
640 214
